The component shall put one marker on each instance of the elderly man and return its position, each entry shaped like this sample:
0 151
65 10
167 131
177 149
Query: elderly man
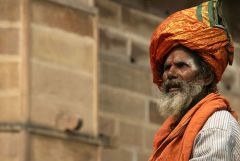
189 52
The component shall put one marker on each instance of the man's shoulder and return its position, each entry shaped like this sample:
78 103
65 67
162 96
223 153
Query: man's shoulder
221 120
219 138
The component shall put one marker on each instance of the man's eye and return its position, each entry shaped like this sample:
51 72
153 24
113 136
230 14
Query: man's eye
181 65
166 67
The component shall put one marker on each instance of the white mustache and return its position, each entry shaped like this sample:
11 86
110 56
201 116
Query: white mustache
174 103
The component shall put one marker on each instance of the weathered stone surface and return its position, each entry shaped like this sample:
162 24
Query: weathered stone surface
230 8
143 156
46 111
61 48
139 4
69 122
9 75
54 149
140 54
130 135
160 8
148 138
10 110
138 23
122 103
228 81
154 114
112 44
125 76
75 3
116 155
234 100
236 60
9 41
68 19
106 126
109 12
9 10
64 85
55 91
155 90
10 146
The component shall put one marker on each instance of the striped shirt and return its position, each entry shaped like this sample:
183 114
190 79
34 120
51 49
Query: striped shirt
218 140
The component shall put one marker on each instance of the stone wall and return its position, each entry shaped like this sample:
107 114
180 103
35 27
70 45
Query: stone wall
48 85
57 57
10 61
13 81
230 84
63 64
128 112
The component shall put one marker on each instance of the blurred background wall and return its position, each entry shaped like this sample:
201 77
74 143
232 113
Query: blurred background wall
75 80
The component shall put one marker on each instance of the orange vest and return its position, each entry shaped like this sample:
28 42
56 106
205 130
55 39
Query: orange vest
176 145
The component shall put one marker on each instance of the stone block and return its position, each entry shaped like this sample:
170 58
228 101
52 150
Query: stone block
139 4
156 7
143 156
230 9
229 81
125 76
138 22
64 85
130 135
56 149
122 103
9 41
62 17
61 48
46 111
109 12
107 126
155 90
113 44
75 3
237 85
154 114
9 10
116 155
9 75
10 109
234 100
236 60
148 138
140 54
69 122
10 146
55 92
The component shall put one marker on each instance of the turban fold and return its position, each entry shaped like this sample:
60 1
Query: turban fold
202 30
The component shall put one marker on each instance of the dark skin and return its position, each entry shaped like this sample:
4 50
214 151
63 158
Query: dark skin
181 64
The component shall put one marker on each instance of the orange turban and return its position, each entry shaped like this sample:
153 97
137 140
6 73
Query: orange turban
200 29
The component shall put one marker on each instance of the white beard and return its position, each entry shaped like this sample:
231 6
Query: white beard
176 102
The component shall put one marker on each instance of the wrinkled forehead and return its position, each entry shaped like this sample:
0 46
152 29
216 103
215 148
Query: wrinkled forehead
181 54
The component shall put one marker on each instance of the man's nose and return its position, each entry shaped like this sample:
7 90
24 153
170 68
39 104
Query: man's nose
172 73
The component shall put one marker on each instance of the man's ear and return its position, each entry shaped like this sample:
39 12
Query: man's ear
208 79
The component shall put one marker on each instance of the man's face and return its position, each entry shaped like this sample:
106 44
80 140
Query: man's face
180 65
181 81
